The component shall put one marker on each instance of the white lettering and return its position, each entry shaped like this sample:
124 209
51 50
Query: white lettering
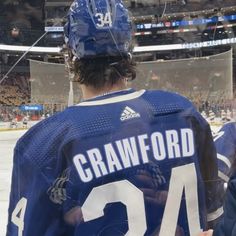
128 152
187 142
104 20
97 163
113 162
158 146
134 151
143 147
172 143
85 174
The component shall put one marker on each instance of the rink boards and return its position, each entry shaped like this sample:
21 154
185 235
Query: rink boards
7 126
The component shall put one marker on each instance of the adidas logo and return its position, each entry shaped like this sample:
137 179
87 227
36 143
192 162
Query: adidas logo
128 114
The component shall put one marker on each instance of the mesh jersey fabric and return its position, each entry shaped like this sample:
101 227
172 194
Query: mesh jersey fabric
128 141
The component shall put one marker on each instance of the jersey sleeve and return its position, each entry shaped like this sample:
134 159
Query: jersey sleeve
209 170
35 163
225 142
227 225
28 200
20 189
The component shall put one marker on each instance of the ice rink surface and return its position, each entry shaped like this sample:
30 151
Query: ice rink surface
8 140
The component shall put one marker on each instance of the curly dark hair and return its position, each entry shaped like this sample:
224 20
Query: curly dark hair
103 71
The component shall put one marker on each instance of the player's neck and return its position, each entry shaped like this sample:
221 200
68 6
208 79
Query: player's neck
91 92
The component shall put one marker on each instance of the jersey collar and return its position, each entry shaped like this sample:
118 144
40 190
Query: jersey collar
114 97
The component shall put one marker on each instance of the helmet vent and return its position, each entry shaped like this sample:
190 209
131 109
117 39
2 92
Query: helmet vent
110 6
91 6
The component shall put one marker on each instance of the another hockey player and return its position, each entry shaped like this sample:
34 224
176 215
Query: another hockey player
122 162
225 142
14 123
25 121
226 227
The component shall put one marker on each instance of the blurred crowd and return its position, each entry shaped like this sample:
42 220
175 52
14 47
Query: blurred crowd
21 21
14 114
15 90
213 114
147 7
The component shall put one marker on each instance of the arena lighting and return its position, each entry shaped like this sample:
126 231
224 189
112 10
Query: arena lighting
4 47
136 49
158 48
184 23
185 45
182 30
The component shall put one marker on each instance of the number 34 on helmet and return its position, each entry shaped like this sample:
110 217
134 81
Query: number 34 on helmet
98 28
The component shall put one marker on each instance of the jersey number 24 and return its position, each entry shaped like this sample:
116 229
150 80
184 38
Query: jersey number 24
127 193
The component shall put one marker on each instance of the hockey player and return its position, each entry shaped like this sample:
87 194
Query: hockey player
226 227
25 121
13 123
122 162
225 142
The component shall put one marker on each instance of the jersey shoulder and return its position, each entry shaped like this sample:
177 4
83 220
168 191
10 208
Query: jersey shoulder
227 133
52 133
164 102
169 99
43 139
225 143
229 127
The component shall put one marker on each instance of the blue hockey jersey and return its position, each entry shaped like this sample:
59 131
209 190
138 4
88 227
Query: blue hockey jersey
227 224
225 142
126 163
